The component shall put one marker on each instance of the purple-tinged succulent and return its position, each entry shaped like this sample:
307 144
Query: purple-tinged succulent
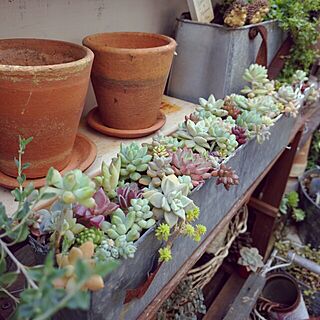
126 193
240 133
96 215
186 163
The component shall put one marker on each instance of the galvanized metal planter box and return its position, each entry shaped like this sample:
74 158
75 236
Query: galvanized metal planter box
212 58
249 161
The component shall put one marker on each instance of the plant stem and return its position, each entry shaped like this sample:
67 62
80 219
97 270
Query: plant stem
62 303
21 268
9 295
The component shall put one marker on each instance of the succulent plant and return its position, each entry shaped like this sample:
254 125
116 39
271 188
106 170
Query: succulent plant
73 187
186 163
224 140
239 101
241 134
212 106
299 77
68 262
172 201
90 234
250 258
126 193
168 142
157 169
256 74
125 247
193 117
96 215
109 178
255 124
185 303
50 220
257 10
106 251
288 98
121 225
160 151
236 14
231 108
264 105
195 135
226 176
143 214
134 160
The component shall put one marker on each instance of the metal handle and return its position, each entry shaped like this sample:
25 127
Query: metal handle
303 262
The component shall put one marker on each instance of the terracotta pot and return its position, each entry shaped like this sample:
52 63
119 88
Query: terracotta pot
129 75
43 84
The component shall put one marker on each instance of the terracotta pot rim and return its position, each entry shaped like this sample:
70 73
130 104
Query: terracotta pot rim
50 67
89 42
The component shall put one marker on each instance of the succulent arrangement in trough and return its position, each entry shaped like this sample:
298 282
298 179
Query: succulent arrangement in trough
97 221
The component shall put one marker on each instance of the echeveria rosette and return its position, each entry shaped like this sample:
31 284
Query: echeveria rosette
172 201
288 99
96 215
195 135
211 107
250 259
134 161
186 163
109 178
121 225
73 187
127 193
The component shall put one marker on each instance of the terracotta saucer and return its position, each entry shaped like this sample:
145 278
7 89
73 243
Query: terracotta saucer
83 154
94 122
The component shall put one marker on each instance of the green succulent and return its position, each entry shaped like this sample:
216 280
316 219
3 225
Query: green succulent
256 74
264 105
109 178
125 247
134 160
288 98
211 106
195 135
250 258
121 225
239 101
299 76
143 214
73 187
171 202
224 141
106 251
90 234
157 169
168 142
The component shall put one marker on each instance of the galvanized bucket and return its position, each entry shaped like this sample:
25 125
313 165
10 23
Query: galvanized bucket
212 58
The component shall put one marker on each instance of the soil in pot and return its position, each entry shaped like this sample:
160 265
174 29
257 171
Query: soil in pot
43 84
129 74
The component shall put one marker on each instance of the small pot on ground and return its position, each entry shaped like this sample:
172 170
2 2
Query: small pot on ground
43 85
309 185
129 74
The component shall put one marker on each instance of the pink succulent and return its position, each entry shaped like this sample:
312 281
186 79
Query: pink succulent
185 162
127 193
97 214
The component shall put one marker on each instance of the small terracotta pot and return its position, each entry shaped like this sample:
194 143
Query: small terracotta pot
129 74
43 84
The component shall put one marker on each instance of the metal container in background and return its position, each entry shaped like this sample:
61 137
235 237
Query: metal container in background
212 58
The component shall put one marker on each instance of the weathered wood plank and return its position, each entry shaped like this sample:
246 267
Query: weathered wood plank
246 298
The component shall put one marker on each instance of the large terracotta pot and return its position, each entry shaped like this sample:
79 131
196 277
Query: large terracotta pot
43 84
129 74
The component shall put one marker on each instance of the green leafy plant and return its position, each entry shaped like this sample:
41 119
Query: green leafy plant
42 297
295 16
289 204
